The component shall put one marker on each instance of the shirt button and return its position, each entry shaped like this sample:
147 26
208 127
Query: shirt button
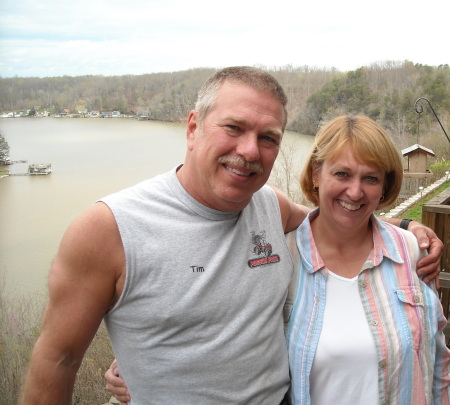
382 364
363 284
416 298
374 322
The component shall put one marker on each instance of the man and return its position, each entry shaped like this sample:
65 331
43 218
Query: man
191 298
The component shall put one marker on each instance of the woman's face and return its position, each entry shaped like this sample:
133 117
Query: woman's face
349 191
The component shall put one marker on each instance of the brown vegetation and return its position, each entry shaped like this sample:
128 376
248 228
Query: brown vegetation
20 321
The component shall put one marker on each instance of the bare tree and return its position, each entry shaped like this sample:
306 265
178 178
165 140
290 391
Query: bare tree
286 173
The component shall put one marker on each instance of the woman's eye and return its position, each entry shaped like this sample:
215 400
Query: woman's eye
341 174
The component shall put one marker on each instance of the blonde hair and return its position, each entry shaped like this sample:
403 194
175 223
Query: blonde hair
370 145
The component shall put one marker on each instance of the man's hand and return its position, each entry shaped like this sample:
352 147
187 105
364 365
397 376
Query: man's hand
430 265
116 385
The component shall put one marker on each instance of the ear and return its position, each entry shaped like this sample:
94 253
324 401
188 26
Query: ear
192 127
315 175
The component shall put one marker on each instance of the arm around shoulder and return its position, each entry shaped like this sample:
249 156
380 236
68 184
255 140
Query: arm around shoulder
83 285
292 214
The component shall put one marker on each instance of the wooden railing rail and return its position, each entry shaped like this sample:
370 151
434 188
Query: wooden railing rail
436 215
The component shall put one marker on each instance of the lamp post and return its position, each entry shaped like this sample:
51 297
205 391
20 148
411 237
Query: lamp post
421 191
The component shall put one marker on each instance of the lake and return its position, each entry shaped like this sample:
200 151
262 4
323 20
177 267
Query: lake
90 158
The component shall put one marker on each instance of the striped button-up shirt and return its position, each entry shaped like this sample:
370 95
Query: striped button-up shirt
405 317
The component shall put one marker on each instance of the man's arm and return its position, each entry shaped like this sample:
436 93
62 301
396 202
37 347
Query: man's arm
430 265
292 214
82 287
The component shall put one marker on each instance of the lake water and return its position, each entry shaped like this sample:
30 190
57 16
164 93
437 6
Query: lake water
90 158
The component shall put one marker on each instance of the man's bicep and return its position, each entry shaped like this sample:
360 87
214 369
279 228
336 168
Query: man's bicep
292 214
298 215
82 281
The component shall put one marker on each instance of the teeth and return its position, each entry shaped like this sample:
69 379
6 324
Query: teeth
231 169
349 206
236 161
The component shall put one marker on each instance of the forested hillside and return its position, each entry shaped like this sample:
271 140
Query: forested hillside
385 91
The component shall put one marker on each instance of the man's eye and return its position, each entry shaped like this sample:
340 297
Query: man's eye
233 127
269 138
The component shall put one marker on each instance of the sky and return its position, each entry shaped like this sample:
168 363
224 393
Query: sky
47 38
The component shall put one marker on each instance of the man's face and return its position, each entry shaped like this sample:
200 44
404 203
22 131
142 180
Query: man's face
233 151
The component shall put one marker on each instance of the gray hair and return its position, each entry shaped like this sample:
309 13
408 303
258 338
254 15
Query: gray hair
253 77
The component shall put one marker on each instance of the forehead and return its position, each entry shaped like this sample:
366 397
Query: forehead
348 158
241 99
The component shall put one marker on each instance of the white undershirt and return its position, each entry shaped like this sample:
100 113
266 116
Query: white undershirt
344 370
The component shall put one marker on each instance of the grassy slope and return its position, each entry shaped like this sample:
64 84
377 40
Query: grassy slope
415 212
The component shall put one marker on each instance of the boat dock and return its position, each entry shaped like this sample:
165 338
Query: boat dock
34 170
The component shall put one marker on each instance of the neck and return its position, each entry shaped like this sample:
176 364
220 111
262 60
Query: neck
219 205
343 252
340 237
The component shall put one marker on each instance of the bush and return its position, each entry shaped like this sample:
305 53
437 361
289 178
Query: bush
20 321
439 167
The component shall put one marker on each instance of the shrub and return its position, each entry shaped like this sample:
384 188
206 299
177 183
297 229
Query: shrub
20 321
439 167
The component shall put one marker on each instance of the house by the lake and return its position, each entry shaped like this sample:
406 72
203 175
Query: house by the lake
39 169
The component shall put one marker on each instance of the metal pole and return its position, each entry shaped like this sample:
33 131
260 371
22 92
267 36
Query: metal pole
421 111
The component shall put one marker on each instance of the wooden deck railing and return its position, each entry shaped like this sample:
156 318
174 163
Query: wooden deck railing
436 215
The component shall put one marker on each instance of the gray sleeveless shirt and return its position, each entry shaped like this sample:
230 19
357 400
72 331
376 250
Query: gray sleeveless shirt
200 317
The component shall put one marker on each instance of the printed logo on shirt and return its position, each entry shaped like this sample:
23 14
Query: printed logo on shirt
263 250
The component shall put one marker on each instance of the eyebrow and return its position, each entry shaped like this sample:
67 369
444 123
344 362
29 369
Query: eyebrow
338 166
244 122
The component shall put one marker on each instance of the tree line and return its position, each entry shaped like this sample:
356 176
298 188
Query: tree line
384 91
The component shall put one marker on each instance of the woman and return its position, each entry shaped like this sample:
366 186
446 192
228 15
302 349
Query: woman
363 329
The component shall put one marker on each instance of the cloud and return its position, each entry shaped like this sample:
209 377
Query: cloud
114 37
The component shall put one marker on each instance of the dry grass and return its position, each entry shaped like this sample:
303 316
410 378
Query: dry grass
20 320
19 329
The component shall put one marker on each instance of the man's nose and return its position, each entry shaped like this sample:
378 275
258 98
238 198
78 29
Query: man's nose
248 147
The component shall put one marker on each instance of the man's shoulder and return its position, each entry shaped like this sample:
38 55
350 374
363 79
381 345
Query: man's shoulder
265 197
146 186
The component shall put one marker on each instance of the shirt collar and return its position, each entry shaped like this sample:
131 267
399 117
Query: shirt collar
384 244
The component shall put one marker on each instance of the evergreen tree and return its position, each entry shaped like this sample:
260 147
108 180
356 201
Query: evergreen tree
4 149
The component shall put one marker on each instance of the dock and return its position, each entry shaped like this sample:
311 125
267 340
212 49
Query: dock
40 169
